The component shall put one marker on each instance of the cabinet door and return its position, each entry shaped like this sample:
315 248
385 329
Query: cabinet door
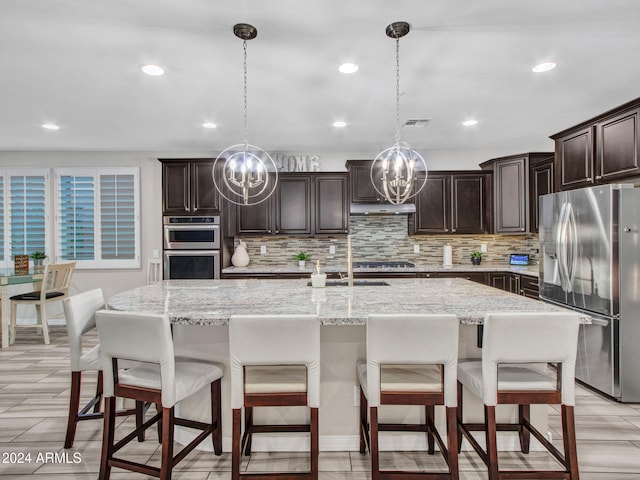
540 183
205 198
331 215
510 183
362 190
176 191
499 280
473 276
618 147
433 205
574 159
256 219
293 205
469 196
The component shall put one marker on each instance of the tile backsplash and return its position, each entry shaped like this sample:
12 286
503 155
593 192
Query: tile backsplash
386 238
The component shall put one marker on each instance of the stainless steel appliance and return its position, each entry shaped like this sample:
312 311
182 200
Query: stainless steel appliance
590 261
191 247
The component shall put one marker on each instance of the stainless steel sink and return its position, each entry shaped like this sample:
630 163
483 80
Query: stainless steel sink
356 283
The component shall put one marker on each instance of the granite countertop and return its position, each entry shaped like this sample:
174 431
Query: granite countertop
213 302
531 270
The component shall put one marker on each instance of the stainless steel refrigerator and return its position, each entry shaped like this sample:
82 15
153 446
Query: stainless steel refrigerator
590 261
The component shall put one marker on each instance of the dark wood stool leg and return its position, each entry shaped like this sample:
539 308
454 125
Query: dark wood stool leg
364 426
159 409
236 444
459 416
569 439
166 465
140 419
107 437
430 419
491 439
375 459
216 417
452 442
74 406
524 434
314 444
248 430
99 390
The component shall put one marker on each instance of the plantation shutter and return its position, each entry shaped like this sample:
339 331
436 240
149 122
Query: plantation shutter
76 217
118 216
27 221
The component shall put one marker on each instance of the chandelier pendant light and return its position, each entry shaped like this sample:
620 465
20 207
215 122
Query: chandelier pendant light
396 168
243 173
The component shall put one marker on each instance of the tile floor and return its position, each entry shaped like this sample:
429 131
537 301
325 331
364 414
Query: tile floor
34 391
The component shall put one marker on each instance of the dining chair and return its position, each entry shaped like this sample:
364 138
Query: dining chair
411 360
515 350
275 362
161 378
79 310
56 281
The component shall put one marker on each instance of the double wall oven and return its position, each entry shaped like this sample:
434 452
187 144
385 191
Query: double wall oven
191 247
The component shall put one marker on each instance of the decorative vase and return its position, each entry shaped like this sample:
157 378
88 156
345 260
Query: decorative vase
240 257
301 263
38 265
476 260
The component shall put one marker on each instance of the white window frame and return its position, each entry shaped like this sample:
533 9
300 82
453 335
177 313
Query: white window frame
96 173
6 174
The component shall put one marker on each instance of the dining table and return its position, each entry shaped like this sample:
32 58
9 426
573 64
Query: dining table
9 278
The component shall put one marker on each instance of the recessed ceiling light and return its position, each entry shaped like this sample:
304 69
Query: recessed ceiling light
339 124
348 68
153 70
470 123
209 125
50 126
544 67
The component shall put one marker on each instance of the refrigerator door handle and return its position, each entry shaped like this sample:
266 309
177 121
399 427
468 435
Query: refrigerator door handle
599 322
572 243
561 242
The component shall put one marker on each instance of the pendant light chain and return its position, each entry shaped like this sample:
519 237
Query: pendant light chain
246 128
398 125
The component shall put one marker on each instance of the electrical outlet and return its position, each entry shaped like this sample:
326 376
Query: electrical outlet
156 253
416 248
483 247
263 249
356 396
332 249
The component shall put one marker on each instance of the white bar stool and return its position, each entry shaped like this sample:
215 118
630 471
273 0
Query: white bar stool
79 311
411 360
511 343
163 380
275 361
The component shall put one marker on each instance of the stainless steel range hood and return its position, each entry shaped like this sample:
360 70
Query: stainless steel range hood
382 209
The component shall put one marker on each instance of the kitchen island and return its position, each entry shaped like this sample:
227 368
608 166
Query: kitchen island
200 311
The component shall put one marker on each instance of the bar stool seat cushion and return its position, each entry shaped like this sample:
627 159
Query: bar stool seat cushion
189 376
275 378
404 378
91 359
510 377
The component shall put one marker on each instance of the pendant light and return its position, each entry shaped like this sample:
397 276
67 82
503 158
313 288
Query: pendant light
245 174
398 164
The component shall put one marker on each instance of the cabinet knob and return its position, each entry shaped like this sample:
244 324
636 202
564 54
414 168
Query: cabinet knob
269 231
277 231
598 177
522 229
453 229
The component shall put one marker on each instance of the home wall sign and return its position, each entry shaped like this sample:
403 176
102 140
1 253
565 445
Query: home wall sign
297 163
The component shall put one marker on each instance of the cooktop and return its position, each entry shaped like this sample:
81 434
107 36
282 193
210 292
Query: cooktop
382 264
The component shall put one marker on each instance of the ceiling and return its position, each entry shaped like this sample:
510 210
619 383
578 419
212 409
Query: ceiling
76 63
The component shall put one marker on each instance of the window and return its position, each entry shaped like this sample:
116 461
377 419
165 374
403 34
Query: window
97 217
24 225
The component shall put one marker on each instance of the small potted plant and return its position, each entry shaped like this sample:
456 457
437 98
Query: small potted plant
38 258
476 258
302 258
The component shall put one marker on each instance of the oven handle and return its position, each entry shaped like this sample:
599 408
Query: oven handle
192 227
173 253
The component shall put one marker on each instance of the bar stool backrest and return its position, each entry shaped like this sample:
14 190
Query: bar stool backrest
57 279
529 338
274 340
79 311
412 339
143 337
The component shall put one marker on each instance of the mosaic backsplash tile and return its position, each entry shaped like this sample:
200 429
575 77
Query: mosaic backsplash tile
380 238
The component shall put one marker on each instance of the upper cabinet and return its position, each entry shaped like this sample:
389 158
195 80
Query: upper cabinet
541 182
601 150
514 202
187 187
362 190
453 202
303 204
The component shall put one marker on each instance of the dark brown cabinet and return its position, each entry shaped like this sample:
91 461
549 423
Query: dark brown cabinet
303 204
512 196
524 285
362 190
187 187
541 182
601 150
452 202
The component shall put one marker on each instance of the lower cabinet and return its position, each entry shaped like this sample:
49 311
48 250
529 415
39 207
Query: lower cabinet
524 285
